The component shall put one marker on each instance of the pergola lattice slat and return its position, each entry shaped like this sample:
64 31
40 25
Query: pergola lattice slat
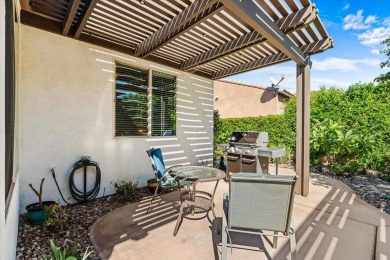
188 18
308 49
84 17
260 21
70 14
289 23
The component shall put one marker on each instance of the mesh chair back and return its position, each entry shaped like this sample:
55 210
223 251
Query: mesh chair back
261 201
156 159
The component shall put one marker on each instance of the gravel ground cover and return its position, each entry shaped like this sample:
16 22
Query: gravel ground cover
33 240
370 188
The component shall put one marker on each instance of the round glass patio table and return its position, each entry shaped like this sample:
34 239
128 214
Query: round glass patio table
198 199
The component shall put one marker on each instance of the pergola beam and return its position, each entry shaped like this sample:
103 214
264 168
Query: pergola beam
289 23
191 16
260 21
308 49
88 8
70 14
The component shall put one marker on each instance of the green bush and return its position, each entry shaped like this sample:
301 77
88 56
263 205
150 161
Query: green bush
59 218
276 126
126 190
352 125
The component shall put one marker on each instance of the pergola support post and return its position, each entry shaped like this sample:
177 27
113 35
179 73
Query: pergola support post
302 165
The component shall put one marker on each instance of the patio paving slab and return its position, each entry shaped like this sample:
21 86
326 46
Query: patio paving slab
331 223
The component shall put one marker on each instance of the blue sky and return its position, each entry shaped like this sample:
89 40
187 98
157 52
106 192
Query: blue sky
357 28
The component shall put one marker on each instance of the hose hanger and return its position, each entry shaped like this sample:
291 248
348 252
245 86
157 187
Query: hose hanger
85 195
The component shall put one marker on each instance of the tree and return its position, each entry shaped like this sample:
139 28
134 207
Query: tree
386 63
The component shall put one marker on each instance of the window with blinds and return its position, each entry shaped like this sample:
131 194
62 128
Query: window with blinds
131 101
163 104
133 90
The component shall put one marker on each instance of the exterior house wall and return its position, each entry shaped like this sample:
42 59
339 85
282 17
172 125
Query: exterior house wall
238 100
67 111
9 211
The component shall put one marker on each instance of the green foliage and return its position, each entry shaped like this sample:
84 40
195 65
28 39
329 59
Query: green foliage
351 127
126 190
385 64
217 126
326 137
59 219
66 253
277 127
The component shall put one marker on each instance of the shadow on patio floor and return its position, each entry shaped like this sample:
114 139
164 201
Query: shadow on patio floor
332 223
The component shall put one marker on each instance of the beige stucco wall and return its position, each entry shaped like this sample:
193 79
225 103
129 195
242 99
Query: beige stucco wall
237 100
67 111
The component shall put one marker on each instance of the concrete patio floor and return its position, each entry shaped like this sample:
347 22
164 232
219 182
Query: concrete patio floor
331 223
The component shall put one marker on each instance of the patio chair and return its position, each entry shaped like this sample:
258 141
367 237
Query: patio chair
164 180
257 203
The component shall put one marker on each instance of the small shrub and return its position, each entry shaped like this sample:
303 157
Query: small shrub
126 190
59 219
66 253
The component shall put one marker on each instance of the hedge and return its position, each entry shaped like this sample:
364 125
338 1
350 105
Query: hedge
363 107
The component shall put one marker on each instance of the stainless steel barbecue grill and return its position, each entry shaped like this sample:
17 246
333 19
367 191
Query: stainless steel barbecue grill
248 152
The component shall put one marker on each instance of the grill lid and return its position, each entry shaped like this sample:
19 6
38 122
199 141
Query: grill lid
249 138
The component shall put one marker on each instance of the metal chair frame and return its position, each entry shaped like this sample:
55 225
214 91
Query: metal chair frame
181 188
287 232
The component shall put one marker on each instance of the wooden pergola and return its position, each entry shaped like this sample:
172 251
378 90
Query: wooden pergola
209 38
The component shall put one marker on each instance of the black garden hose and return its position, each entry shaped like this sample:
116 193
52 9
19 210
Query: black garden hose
85 195
53 173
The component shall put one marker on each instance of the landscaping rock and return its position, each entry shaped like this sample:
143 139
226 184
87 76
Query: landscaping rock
33 241
369 187
384 187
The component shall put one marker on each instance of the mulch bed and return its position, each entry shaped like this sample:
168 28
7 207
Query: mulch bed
33 240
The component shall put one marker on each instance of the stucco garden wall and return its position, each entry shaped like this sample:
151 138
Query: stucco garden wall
67 111
240 100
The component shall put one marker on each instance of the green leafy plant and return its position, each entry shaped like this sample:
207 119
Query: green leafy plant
59 218
126 190
350 126
66 253
386 63
326 136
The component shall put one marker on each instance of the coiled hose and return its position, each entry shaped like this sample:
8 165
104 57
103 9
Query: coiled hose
85 195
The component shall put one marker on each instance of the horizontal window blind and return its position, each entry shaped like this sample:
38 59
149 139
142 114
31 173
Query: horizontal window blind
131 101
163 104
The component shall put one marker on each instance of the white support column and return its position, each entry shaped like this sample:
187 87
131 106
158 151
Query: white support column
303 128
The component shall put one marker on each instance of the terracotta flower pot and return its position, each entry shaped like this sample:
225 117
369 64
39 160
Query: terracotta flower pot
152 185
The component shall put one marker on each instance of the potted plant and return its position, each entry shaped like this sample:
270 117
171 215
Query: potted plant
152 185
36 213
